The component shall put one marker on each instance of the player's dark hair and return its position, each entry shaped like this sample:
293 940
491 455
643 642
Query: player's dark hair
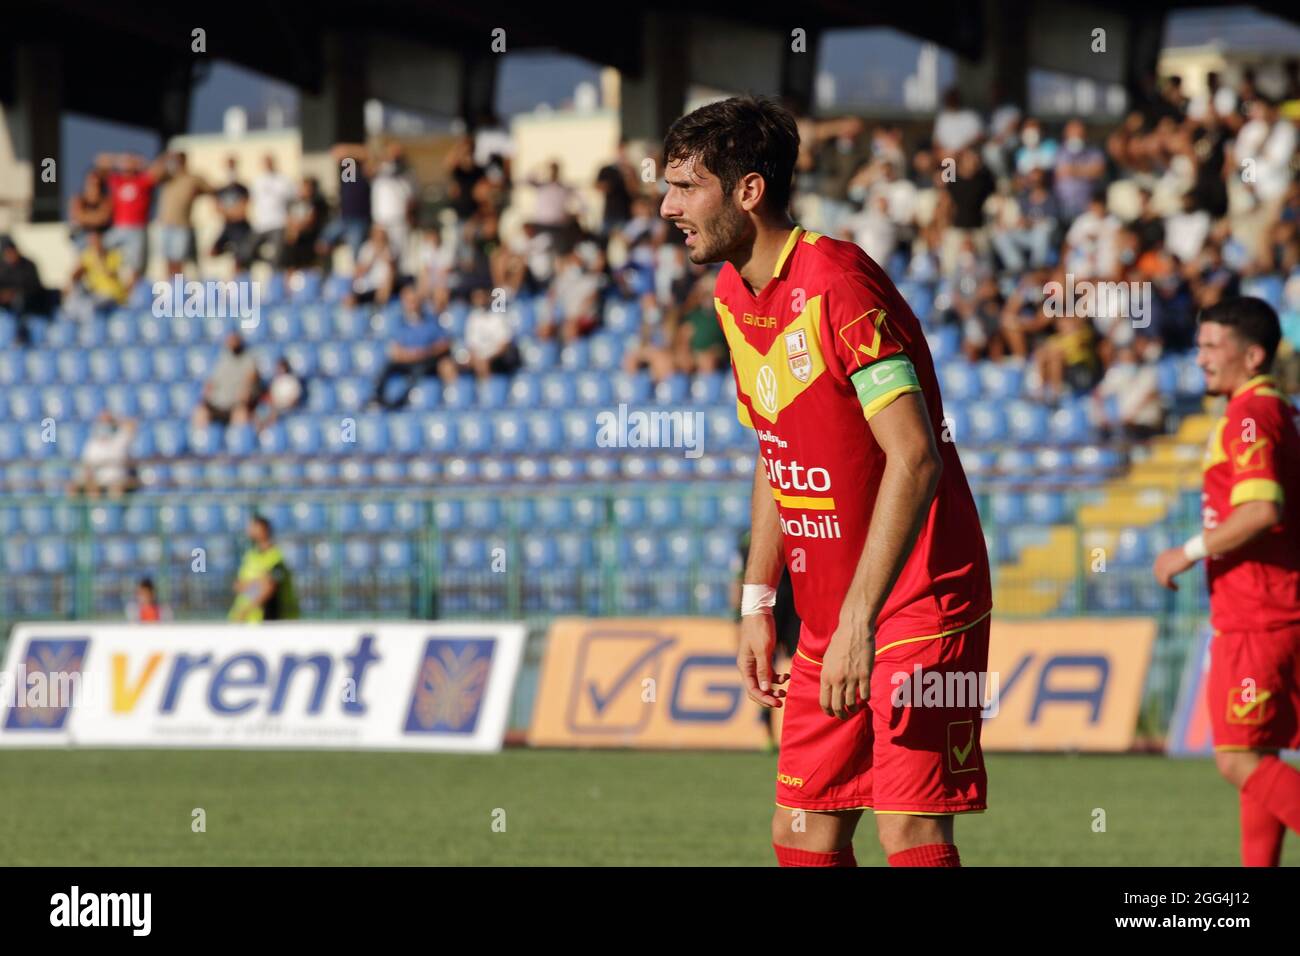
738 136
265 524
1251 318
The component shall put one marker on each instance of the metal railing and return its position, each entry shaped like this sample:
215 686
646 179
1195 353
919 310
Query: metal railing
387 554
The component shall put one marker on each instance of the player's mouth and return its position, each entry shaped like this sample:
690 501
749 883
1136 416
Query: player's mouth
691 234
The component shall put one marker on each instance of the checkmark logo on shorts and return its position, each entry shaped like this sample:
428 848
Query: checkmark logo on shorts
1241 710
962 731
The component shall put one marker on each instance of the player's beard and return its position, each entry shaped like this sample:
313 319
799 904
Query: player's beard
720 237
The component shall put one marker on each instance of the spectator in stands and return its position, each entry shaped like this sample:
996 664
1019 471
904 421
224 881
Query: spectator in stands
106 459
1035 220
1035 151
955 127
1186 231
1025 324
979 316
283 394
303 227
264 589
96 284
376 271
960 214
179 188
419 348
144 608
392 198
434 264
1217 102
1209 280
552 205
1079 169
873 230
236 236
574 298
271 193
352 224
21 290
1126 402
232 389
1067 362
489 338
1149 226
1092 242
616 182
91 210
131 185
464 190
493 146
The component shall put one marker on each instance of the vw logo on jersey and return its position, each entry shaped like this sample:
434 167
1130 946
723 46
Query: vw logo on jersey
765 390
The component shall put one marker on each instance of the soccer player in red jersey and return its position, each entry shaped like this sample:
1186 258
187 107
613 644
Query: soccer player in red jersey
857 491
1251 548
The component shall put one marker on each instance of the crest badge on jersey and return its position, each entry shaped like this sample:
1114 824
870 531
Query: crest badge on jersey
796 353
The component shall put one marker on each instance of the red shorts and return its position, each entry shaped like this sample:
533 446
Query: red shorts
1253 690
910 752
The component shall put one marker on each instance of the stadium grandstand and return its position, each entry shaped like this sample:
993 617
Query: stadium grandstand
428 376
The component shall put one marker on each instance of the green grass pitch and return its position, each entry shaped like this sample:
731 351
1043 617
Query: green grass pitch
101 807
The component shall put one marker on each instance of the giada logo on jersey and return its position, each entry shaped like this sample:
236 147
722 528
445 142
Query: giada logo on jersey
792 483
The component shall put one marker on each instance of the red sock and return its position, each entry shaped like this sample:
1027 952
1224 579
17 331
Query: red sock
932 854
1276 787
789 856
1261 834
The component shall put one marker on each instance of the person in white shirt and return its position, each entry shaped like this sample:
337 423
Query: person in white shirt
392 198
551 205
1092 243
955 128
873 230
573 298
489 338
106 459
376 272
269 197
1186 231
1133 385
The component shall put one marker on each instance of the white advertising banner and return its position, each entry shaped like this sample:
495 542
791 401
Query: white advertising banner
379 685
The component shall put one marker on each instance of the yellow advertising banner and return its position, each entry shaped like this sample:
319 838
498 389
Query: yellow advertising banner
656 682
1053 684
1066 683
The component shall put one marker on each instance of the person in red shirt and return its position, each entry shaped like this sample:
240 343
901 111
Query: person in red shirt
130 184
855 493
1250 544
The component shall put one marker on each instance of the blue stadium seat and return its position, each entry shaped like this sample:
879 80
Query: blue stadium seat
439 432
352 394
205 441
605 351
632 389
12 368
593 388
959 382
1026 422
475 433
988 423
74 366
304 436
673 390
490 393
525 390
1069 425
153 401
1000 380
240 440
558 390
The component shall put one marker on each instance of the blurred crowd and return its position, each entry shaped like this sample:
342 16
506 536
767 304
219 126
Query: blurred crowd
1185 197
982 219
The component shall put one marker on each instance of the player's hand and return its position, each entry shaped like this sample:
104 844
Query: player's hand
847 666
1169 563
757 642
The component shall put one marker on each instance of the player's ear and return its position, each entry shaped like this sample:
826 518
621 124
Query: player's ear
750 190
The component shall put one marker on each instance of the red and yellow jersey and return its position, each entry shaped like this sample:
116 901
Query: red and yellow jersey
1254 455
823 347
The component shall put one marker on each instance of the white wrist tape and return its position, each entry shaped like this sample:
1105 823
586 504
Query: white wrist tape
1194 549
757 599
